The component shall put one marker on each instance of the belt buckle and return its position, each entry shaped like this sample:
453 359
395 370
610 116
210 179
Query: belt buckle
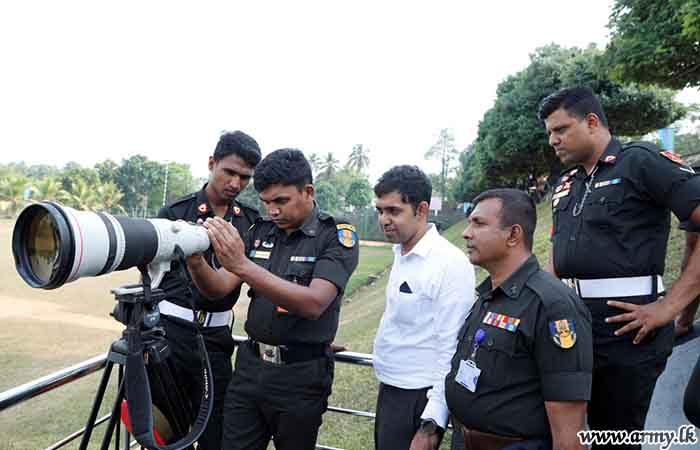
270 353
201 318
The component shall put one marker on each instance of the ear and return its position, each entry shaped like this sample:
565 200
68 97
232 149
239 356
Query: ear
592 121
515 236
309 190
211 163
423 209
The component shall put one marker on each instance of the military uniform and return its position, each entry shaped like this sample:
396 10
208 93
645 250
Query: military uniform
609 237
214 316
283 374
530 338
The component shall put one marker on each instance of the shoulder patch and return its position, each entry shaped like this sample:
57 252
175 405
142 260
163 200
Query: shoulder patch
247 206
347 235
563 333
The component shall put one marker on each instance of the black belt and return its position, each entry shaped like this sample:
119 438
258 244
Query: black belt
290 353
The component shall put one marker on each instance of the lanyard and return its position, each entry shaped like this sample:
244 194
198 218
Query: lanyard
479 337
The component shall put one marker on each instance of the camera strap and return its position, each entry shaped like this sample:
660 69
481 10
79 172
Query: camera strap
138 391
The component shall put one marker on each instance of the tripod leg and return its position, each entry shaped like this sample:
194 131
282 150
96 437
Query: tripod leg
114 419
96 405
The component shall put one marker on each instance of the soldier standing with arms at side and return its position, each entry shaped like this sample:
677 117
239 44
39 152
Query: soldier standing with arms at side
297 262
230 169
521 375
610 228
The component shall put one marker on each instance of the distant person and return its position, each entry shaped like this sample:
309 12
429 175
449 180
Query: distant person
230 169
297 262
610 229
521 375
430 291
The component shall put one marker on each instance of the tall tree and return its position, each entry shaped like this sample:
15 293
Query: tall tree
444 151
359 194
108 197
329 166
655 42
315 163
511 141
327 196
358 159
82 196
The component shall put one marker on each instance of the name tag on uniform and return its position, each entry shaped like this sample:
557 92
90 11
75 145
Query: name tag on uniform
259 255
468 375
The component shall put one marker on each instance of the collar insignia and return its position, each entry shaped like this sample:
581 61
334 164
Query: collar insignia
202 208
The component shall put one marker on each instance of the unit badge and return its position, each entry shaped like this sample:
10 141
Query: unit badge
237 210
202 208
563 333
347 236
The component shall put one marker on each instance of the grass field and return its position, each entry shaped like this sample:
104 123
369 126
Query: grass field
43 331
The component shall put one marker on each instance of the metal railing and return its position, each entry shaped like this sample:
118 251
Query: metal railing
42 385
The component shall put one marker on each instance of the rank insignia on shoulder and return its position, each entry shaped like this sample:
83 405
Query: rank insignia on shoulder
673 157
563 333
237 210
347 236
501 321
202 208
259 255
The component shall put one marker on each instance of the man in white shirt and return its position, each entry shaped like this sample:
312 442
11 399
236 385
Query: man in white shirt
430 292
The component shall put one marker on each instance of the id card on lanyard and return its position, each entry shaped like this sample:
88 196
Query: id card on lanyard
468 373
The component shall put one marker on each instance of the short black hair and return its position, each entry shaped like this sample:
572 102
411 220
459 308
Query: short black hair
516 208
240 144
286 166
577 101
409 181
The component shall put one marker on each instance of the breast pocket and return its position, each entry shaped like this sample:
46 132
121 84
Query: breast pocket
300 273
604 206
496 357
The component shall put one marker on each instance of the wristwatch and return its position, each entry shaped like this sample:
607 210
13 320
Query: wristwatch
429 426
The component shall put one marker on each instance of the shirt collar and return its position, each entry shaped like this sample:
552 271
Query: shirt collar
424 244
312 223
204 208
513 285
612 152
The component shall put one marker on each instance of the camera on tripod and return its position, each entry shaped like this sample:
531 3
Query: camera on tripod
53 245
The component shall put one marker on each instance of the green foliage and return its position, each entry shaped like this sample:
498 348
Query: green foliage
327 196
655 42
687 144
511 141
328 167
13 190
359 194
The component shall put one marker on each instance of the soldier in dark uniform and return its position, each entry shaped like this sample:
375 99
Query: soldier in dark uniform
684 322
230 169
521 375
610 229
298 262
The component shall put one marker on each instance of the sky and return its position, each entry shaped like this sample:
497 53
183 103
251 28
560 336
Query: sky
88 80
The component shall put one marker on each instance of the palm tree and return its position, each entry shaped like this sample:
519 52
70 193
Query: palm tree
358 159
47 190
81 196
13 190
329 166
108 197
314 162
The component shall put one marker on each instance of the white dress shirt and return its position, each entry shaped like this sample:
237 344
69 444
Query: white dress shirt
417 336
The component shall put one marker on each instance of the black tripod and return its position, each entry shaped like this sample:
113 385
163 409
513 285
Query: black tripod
136 308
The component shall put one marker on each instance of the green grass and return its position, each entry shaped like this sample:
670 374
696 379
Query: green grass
36 341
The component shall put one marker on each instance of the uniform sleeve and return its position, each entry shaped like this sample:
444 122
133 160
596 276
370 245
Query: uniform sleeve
453 301
164 213
565 373
335 261
669 183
